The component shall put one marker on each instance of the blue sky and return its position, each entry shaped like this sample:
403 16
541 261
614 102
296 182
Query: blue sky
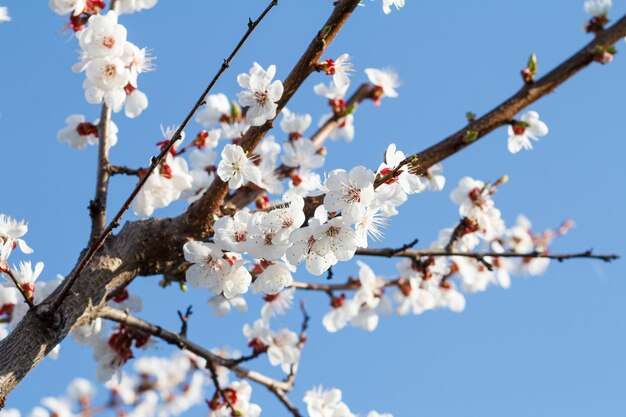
548 346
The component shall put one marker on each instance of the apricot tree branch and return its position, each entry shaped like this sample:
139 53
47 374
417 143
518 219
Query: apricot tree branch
98 206
124 170
419 253
353 285
502 114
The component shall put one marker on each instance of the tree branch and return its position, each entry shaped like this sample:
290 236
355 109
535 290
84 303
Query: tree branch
98 206
419 253
282 397
184 343
21 289
353 285
502 114
124 170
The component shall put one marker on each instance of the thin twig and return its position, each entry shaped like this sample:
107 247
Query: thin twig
417 253
352 285
291 378
218 388
97 244
98 206
458 232
19 287
184 343
282 397
184 321
124 170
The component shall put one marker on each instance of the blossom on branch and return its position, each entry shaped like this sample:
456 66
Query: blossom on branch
528 127
236 169
260 94
385 82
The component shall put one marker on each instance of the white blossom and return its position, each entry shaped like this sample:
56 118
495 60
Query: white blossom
260 94
273 279
132 6
4 15
236 169
277 304
350 192
340 70
331 91
409 182
302 153
294 124
221 305
103 36
521 133
326 403
598 8
11 232
63 7
385 81
387 7
216 109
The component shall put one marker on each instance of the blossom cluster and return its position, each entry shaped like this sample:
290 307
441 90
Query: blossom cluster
112 65
163 386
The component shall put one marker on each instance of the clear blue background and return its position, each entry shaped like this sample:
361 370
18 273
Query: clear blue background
549 346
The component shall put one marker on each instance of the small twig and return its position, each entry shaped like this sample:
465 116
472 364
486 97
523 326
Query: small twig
184 343
184 321
247 358
282 397
331 274
19 287
97 244
98 206
291 378
457 233
351 285
124 170
483 261
218 388
416 253
404 247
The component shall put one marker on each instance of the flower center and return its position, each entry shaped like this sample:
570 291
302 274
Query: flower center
240 235
108 42
353 195
333 231
261 97
110 71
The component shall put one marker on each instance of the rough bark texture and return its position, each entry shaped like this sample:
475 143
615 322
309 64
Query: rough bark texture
146 247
